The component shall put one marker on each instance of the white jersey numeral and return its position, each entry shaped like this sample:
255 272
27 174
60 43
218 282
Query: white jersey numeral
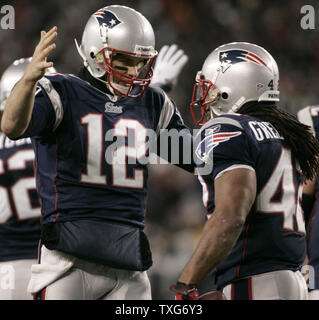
94 124
289 204
135 152
120 155
20 189
5 207
205 191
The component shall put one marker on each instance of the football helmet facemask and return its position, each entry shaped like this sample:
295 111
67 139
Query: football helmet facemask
113 31
232 75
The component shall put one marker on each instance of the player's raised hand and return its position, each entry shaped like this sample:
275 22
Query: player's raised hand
169 64
39 63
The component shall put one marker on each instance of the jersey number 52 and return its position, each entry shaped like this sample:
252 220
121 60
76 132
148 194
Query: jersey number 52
19 190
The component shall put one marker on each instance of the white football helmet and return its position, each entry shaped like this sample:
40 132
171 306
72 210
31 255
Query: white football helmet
232 75
116 30
11 76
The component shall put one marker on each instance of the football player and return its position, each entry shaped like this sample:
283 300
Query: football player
254 238
309 116
91 174
19 203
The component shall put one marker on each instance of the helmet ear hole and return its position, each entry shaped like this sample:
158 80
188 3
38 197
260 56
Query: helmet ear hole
224 95
92 54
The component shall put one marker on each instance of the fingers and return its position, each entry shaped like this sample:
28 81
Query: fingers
46 52
46 65
181 61
39 63
177 55
162 52
170 52
169 64
172 55
47 38
45 46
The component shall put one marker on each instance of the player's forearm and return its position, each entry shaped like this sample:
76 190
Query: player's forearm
218 238
18 109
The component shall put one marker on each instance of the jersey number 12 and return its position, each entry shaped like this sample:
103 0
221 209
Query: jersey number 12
95 140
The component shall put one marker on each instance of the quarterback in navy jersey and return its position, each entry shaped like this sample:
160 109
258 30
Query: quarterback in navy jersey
91 136
252 175
309 116
78 179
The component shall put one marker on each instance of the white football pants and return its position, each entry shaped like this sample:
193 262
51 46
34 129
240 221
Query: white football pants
275 285
60 276
14 278
314 295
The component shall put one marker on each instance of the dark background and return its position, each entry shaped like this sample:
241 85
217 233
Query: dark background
176 214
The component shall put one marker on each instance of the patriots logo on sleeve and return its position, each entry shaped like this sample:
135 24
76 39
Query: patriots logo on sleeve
107 18
230 57
211 140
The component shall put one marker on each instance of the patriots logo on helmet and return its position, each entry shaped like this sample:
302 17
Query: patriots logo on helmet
212 139
229 57
107 18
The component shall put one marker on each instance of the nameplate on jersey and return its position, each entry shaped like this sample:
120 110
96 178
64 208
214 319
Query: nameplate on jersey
264 131
110 107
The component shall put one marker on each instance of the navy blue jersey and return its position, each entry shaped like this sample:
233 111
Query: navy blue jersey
310 116
91 149
19 202
273 237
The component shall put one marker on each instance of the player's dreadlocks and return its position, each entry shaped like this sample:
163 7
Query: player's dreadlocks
304 145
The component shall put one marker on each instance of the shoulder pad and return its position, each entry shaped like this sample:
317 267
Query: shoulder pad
55 99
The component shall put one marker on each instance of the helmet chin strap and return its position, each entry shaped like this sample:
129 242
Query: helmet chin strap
211 113
214 109
117 86
109 87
